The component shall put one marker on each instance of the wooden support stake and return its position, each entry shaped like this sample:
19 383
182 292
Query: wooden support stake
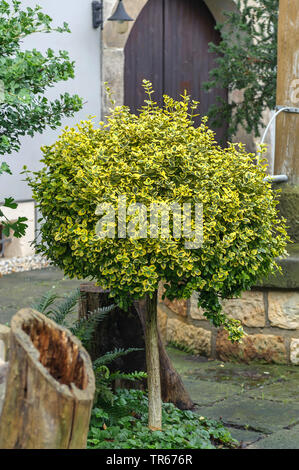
50 387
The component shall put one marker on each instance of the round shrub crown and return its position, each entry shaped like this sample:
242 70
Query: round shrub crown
159 156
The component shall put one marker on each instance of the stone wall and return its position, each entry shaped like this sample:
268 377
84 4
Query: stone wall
270 318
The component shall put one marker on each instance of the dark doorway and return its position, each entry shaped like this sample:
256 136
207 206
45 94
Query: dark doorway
168 45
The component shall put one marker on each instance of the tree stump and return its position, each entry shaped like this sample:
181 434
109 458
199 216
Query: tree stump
127 330
49 389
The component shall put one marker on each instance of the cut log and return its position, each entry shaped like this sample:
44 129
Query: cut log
50 387
127 330
4 342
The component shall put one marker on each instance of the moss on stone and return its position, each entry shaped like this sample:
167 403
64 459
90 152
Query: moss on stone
289 208
289 279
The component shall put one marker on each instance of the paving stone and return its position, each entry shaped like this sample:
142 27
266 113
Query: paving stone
259 415
284 439
285 391
204 392
21 290
245 436
246 375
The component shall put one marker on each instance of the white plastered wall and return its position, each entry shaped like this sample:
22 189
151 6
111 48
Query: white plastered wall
21 247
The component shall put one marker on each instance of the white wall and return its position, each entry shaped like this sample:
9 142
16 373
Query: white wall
83 45
21 246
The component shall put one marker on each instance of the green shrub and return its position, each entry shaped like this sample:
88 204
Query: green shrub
247 61
158 157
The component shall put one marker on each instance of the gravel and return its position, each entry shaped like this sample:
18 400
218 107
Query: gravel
18 265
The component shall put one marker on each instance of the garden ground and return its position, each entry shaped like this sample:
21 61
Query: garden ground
257 402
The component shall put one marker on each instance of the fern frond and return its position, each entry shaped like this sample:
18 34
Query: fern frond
115 411
131 376
45 302
103 310
104 393
113 355
84 327
60 312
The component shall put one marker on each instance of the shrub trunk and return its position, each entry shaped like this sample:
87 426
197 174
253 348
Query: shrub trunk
153 364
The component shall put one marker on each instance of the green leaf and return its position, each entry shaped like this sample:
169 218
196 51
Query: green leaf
4 168
9 202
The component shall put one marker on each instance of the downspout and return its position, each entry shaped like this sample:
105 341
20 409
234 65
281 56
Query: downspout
276 178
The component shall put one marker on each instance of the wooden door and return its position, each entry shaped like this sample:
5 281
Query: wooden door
168 45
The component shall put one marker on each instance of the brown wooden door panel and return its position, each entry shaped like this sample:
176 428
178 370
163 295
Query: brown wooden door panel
144 55
169 46
189 27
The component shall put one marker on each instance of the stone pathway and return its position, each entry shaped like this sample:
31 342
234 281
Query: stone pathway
259 403
20 290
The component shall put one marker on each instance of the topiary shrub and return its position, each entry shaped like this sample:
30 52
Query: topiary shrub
158 157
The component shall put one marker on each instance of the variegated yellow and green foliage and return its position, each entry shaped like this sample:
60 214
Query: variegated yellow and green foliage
159 156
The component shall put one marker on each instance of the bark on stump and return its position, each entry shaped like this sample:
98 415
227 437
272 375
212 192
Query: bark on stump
49 389
127 330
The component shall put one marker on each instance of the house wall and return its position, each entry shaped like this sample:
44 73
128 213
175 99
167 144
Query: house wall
84 46
99 58
21 246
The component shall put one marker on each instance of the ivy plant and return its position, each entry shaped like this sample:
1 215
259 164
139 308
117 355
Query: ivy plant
25 75
158 157
123 426
247 62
